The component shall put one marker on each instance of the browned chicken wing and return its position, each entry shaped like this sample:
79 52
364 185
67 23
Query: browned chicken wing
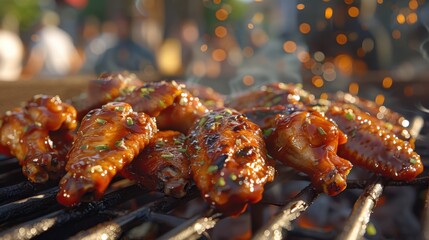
308 142
38 135
207 95
271 95
228 160
182 114
107 139
163 165
373 147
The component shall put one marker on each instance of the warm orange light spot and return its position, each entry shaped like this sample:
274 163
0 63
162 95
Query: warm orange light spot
353 11
221 14
219 55
289 46
341 39
387 82
317 81
413 4
400 18
344 63
258 18
324 96
204 48
412 18
304 28
217 1
248 80
247 52
221 31
360 52
328 13
300 6
303 56
379 99
348 1
250 26
380 1
408 91
354 88
396 34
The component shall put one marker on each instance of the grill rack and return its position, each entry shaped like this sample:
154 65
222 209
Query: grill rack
30 211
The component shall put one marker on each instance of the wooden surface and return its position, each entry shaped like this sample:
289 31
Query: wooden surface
13 94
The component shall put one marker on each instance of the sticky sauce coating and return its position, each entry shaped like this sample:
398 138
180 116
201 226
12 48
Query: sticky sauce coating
228 160
108 139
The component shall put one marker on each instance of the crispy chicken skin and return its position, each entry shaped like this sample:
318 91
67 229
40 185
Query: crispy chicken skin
271 95
228 160
308 142
107 139
182 114
152 97
162 165
207 95
38 135
104 89
374 148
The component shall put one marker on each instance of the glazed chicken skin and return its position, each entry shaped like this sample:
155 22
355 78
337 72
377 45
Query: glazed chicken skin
271 95
107 139
39 135
207 95
182 114
104 89
308 142
228 160
374 148
163 165
152 97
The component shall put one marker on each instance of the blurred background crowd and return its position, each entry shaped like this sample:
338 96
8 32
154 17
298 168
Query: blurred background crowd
228 44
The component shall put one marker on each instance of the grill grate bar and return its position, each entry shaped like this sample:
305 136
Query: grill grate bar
42 224
8 164
356 224
28 206
275 227
21 190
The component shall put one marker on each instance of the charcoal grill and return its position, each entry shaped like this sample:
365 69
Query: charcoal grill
30 211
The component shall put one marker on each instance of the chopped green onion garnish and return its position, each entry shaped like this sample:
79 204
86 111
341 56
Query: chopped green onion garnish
267 132
177 141
102 147
161 104
221 182
233 176
25 129
108 96
38 124
202 121
120 143
84 147
228 111
371 230
212 168
321 131
146 91
350 115
119 109
217 117
277 99
168 156
130 121
100 121
413 161
182 150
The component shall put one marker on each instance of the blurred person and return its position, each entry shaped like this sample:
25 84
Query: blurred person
53 53
97 43
125 54
11 53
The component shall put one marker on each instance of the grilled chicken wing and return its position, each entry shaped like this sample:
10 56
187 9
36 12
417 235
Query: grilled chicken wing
108 139
163 165
228 160
182 114
38 135
271 95
308 142
208 96
104 89
152 97
373 147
